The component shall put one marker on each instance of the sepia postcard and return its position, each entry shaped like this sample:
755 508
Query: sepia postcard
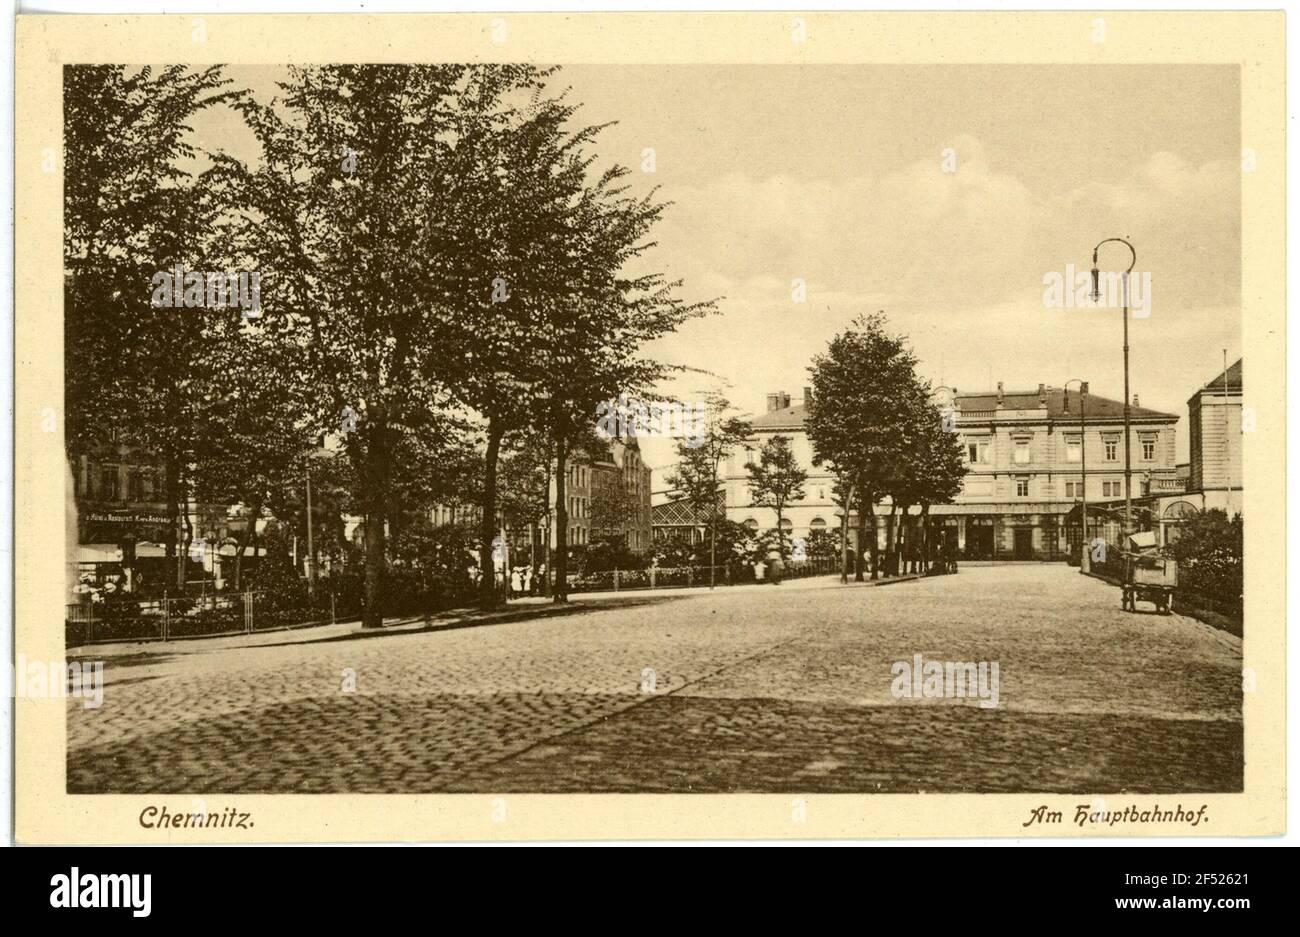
649 426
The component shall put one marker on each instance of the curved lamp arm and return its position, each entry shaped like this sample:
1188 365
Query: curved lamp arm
1096 275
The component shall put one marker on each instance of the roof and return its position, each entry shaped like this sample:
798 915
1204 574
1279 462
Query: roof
785 418
1233 375
1100 409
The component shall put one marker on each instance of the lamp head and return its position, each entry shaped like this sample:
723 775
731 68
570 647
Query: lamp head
1095 295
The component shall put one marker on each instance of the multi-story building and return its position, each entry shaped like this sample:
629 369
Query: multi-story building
816 511
631 472
1212 479
1215 422
1024 452
610 479
123 524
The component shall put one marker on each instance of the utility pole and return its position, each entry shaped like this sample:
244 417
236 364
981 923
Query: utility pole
1227 435
1084 564
311 548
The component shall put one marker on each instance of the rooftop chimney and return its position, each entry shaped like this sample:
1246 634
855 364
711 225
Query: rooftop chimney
1042 395
999 393
1135 400
807 396
779 400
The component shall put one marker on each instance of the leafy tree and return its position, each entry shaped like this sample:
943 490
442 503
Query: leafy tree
863 404
131 209
356 201
935 471
591 355
699 461
549 318
775 480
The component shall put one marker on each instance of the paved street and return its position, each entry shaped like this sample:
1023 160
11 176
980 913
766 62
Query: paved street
754 689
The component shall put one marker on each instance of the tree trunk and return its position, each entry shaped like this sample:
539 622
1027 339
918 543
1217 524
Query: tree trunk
904 537
875 541
891 541
844 537
546 551
925 539
561 591
713 541
376 476
863 504
182 567
489 596
174 510
534 541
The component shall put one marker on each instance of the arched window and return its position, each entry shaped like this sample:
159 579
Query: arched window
817 526
751 523
1180 511
786 524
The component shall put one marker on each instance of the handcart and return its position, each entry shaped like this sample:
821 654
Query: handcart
1148 579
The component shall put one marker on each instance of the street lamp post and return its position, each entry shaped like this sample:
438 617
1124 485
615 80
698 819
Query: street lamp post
1128 462
1084 565
311 546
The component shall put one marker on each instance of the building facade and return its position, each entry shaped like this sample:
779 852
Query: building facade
124 525
1215 423
607 494
1212 479
1024 453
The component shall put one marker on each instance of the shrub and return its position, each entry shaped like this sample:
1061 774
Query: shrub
1208 549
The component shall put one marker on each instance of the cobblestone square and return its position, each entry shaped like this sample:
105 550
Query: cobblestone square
784 688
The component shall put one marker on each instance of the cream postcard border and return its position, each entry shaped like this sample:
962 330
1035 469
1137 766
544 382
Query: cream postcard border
45 813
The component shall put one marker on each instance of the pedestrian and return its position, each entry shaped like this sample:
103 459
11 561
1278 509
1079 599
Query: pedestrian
528 580
776 566
516 581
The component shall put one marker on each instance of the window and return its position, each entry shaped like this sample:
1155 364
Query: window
977 452
1022 487
1148 448
1112 489
108 486
1022 452
1073 448
1111 445
1073 489
134 487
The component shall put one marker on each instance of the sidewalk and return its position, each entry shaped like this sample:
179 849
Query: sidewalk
523 609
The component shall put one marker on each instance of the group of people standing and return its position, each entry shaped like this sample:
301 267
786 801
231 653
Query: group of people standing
522 581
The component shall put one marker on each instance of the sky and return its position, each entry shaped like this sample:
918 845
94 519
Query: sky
940 195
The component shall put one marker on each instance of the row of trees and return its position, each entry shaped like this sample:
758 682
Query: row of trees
448 281
873 423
